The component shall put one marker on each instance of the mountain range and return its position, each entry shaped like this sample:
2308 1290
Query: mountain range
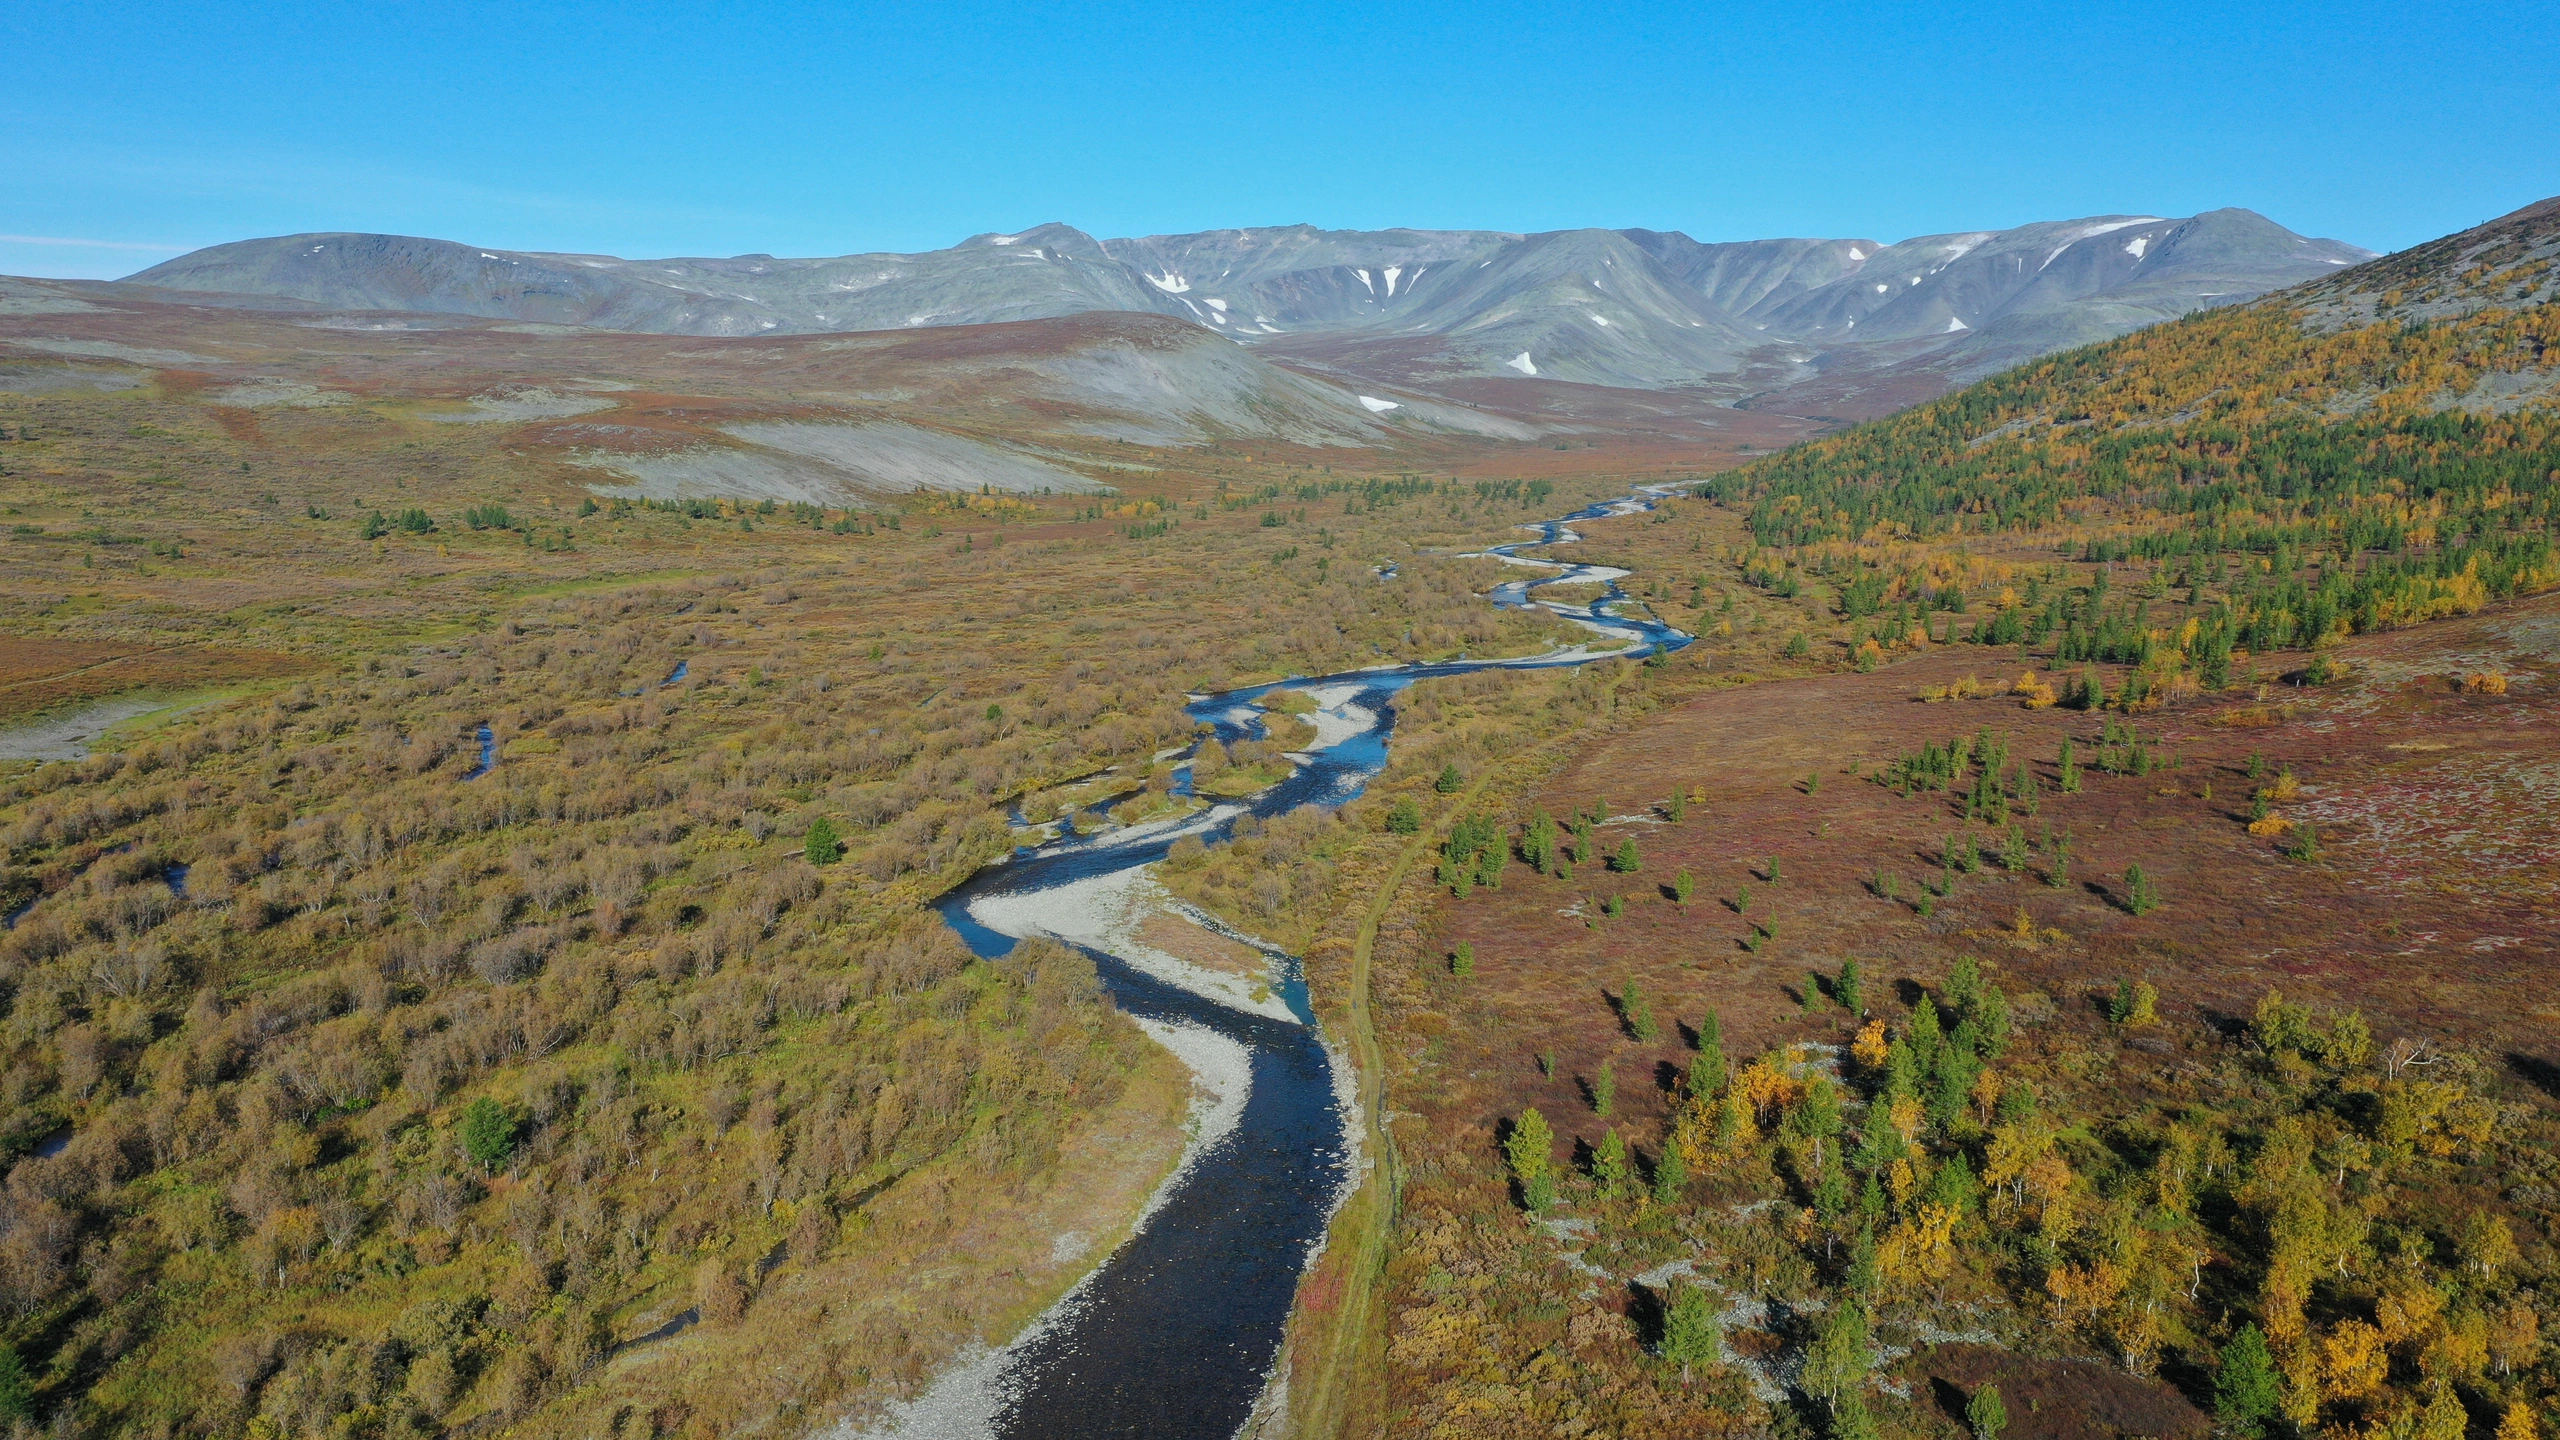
1745 322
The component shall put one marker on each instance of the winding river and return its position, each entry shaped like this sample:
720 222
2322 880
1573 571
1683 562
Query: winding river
1176 1333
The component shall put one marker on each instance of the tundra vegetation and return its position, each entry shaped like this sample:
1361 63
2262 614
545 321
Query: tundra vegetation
503 992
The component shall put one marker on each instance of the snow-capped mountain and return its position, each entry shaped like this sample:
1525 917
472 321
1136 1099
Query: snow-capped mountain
1630 308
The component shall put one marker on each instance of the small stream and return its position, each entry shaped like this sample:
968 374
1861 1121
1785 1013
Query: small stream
488 753
1176 1333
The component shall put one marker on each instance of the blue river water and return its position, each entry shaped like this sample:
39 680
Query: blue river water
1176 1334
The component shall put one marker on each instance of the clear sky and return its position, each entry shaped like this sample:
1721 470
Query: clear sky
132 131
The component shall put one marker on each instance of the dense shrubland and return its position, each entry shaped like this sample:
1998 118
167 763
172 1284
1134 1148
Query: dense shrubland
261 1058
390 1096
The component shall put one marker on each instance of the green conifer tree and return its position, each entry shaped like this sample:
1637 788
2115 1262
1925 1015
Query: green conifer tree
1925 1032
1985 1415
488 1133
2141 897
1861 1278
1707 1072
1639 1013
2247 1390
1879 1144
1405 817
1690 1332
1530 1149
1609 1166
17 1391
1836 1364
1817 1116
1670 1176
1538 842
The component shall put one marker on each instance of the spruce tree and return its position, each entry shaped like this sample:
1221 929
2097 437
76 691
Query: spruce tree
1836 1364
1861 1279
1985 1415
1638 1012
1880 1144
1707 1072
1538 843
1831 1195
1670 1176
488 1133
17 1392
1609 1165
1689 1330
1964 981
1926 1033
1818 1116
824 846
1530 1150
2247 1389
2141 897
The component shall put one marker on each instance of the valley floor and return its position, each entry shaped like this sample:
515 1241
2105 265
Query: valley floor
2428 907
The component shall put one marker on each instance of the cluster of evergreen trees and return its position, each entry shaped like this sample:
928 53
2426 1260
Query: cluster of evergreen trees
2310 1229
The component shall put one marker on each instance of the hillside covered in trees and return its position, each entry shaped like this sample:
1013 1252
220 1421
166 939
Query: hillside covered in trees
2374 451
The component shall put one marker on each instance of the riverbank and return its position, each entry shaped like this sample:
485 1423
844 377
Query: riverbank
946 1264
1181 1331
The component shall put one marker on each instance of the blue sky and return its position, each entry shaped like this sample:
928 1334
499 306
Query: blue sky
143 129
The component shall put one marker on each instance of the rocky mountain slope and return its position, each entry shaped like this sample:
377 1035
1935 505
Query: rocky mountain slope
1633 308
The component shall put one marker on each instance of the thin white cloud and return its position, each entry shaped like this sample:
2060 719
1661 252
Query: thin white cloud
90 244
